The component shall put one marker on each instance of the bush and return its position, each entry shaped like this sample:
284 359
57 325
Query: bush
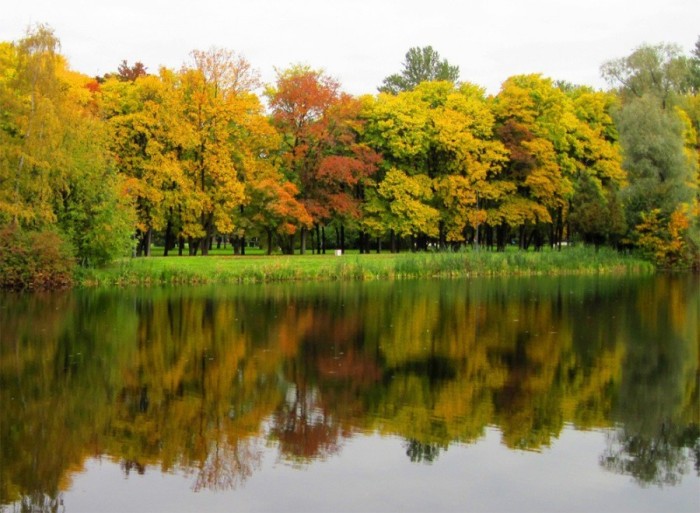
34 259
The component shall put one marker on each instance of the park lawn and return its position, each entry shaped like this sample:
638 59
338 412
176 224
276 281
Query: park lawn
173 270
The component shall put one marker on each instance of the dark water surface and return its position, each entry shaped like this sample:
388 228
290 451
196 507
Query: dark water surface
567 394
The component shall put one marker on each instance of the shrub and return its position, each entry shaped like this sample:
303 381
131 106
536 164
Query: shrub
34 259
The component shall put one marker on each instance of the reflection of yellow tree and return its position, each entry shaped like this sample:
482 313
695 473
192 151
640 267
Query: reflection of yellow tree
196 379
55 390
193 395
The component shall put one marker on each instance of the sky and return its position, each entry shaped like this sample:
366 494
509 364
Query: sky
359 42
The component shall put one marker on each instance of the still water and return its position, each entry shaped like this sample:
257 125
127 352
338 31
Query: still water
566 394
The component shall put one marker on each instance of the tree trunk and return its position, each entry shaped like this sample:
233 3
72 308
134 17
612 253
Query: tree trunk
204 245
501 236
342 239
393 242
168 238
236 243
269 241
147 242
442 239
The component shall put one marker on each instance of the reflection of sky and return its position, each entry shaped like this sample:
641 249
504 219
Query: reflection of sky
372 473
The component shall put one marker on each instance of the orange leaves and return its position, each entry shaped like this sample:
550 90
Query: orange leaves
274 205
301 97
320 128
668 242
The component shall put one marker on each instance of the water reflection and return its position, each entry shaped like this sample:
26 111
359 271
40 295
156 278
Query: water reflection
208 380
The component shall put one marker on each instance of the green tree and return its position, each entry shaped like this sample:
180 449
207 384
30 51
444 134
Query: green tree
658 125
420 65
661 176
660 70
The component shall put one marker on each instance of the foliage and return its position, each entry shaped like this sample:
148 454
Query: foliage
668 246
34 260
420 65
186 157
54 166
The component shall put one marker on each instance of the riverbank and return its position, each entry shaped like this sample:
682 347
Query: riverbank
263 269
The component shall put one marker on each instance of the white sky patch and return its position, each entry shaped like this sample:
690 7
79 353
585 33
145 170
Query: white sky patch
362 41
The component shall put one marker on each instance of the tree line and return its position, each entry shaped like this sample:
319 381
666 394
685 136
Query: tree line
108 166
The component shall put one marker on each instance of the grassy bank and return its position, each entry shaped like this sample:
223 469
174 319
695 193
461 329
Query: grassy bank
259 269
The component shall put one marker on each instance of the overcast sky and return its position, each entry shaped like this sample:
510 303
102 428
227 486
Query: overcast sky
359 42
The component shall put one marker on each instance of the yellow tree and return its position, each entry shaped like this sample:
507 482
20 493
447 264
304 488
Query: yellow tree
216 97
595 209
398 128
533 118
54 168
469 181
146 141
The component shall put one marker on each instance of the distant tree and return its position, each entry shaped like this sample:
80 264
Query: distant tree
660 70
420 65
695 68
127 73
227 70
655 159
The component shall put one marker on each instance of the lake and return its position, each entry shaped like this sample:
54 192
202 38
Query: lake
520 394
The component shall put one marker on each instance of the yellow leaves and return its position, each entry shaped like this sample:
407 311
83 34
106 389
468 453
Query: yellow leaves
518 211
668 241
407 211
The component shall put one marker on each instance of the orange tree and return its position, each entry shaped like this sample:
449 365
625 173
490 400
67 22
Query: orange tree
320 152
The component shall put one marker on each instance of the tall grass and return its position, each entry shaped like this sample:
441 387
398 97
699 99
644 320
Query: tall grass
262 269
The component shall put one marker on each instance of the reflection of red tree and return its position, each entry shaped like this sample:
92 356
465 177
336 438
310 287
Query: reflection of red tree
349 365
304 429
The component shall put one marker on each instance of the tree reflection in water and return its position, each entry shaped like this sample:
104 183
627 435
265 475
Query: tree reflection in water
207 380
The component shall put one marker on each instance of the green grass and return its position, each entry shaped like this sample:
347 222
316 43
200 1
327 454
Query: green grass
263 269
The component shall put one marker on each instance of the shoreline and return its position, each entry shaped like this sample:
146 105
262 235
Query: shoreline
230 269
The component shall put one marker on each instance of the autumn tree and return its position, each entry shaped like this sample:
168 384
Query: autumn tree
54 168
561 139
441 135
420 65
217 95
466 157
320 151
147 139
128 73
595 210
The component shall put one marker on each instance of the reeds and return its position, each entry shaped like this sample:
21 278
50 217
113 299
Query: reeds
353 267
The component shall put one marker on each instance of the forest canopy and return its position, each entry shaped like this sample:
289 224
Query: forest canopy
115 164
